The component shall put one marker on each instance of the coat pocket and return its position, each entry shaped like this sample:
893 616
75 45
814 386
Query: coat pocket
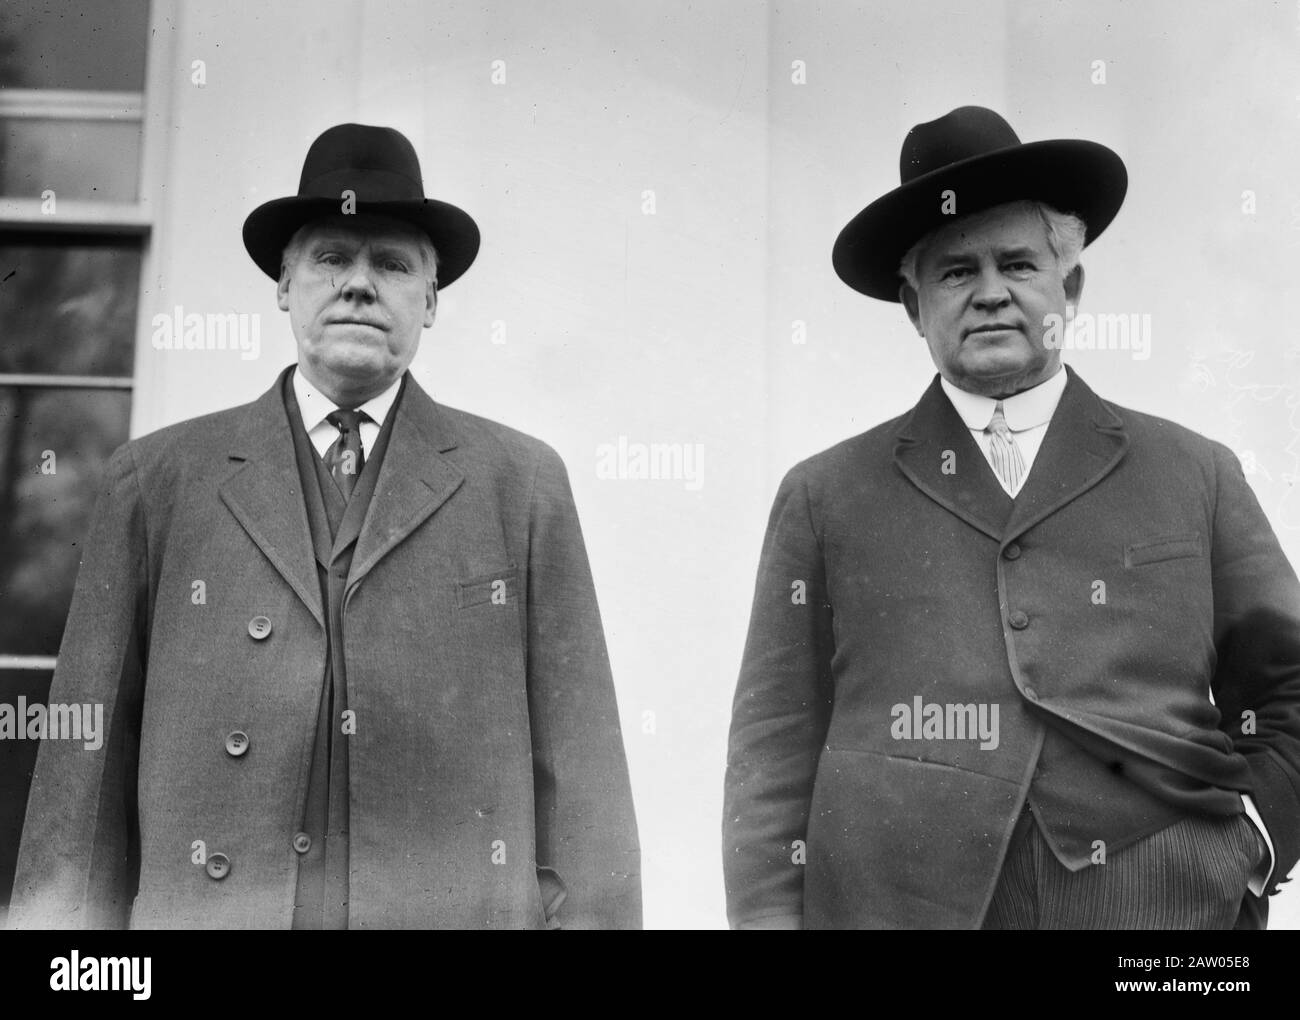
498 588
1175 547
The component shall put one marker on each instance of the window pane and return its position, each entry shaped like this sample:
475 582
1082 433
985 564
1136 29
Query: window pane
67 306
70 305
17 757
82 159
54 444
71 44
45 516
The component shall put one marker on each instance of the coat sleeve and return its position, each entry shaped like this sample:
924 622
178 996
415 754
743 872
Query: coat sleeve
1257 635
586 827
78 859
779 719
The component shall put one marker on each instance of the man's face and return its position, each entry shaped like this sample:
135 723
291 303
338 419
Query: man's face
986 284
358 296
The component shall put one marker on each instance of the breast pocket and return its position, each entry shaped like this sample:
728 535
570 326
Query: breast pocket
1173 547
495 589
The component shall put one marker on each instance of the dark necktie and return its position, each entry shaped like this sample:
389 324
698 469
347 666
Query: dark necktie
344 457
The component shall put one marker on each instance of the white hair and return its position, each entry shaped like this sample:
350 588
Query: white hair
1065 236
293 250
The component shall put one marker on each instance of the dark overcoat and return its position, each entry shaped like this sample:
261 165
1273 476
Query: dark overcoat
886 580
486 756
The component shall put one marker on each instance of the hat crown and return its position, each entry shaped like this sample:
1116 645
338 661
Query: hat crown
968 160
377 164
964 133
359 168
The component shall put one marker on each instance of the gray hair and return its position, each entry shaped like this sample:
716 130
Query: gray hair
293 250
1066 234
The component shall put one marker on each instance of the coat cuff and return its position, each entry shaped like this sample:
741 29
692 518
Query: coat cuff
1259 879
1274 797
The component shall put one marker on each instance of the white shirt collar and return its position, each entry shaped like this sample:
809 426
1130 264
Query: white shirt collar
1024 410
315 406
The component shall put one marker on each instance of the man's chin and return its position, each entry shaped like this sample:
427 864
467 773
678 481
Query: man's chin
352 342
996 376
353 373
993 369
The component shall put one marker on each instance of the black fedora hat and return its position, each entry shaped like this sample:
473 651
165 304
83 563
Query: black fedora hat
379 166
973 153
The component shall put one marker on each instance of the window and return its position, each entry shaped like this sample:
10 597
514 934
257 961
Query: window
74 231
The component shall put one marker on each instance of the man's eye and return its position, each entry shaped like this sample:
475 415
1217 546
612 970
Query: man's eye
1020 267
955 273
330 259
393 265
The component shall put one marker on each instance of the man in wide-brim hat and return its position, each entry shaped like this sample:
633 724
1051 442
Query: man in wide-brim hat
1019 658
346 639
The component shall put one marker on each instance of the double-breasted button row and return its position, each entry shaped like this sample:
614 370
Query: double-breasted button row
236 743
259 628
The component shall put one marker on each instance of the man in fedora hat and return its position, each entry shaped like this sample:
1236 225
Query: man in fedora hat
346 639
1018 658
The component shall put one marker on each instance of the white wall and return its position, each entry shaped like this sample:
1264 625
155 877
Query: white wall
676 326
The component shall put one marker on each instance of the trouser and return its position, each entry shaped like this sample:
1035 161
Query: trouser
1191 875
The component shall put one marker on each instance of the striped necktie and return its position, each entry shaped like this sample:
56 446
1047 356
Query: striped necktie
1008 463
345 458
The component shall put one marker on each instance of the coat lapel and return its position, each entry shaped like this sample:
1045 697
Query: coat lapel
264 495
936 452
414 479
1084 442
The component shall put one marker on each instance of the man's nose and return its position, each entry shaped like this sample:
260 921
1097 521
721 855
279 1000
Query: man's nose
358 282
991 289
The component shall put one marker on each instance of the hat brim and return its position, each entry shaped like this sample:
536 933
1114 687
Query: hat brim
453 232
1073 176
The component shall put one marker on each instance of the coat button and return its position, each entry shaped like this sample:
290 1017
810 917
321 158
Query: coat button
1018 620
236 743
218 866
1012 552
302 842
259 627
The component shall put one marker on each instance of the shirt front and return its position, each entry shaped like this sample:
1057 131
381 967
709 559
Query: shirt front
1027 414
315 408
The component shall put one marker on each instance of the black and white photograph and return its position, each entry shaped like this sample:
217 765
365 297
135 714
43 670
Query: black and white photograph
649 464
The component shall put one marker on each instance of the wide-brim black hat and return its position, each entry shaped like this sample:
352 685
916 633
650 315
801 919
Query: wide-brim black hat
378 165
974 154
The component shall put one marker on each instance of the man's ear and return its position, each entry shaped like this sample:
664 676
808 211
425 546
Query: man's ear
282 290
1073 289
430 303
912 302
